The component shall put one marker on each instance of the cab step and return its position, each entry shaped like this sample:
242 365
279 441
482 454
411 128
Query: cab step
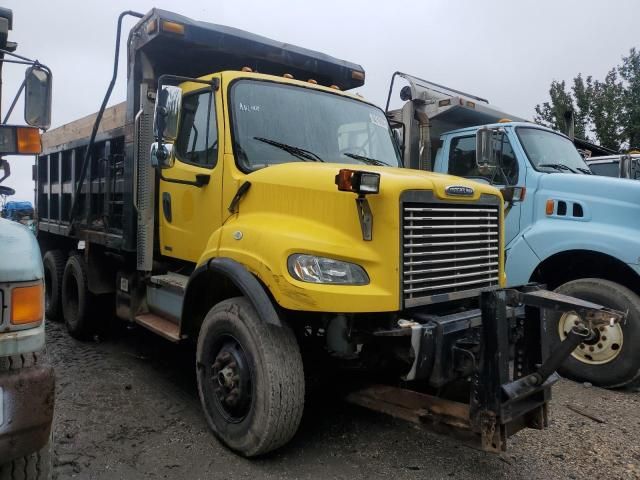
171 281
163 327
165 295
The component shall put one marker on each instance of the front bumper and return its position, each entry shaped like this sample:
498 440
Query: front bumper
26 405
497 356
22 341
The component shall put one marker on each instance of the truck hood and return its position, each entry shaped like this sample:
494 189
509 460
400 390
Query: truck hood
20 259
296 208
607 200
320 177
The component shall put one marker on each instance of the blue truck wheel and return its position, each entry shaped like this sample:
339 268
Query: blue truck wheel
612 358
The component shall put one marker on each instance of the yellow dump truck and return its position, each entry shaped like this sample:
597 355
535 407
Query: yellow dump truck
243 200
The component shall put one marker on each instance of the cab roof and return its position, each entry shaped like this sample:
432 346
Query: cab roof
504 124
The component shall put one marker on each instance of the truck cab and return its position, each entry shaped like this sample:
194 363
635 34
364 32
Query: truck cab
565 227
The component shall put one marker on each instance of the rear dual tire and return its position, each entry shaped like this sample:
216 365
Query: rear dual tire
53 263
77 301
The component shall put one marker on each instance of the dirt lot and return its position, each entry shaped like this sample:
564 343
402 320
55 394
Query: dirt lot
127 408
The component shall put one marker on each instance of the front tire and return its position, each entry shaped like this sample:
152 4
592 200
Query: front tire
36 466
250 378
612 359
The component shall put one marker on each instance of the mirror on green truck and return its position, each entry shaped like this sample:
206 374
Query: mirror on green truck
37 103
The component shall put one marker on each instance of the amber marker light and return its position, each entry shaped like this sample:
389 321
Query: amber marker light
357 75
172 27
151 26
28 140
550 206
27 304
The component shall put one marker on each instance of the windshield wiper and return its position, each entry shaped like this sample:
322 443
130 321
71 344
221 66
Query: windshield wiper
367 160
586 171
298 152
557 166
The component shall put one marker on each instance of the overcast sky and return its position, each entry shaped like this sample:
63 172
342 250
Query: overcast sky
506 51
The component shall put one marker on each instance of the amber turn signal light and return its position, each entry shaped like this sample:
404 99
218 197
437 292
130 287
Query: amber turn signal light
28 140
172 27
15 140
357 181
27 304
550 207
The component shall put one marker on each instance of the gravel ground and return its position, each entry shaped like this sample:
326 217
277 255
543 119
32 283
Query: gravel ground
127 407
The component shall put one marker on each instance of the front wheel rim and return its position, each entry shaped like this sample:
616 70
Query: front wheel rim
231 379
605 346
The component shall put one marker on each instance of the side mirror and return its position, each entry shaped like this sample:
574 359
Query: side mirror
37 100
626 166
513 194
167 113
161 155
485 154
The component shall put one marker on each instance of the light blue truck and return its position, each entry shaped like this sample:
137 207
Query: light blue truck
576 232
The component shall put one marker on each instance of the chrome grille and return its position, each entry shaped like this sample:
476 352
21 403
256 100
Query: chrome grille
449 249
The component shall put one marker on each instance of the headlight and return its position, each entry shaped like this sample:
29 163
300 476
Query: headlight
309 268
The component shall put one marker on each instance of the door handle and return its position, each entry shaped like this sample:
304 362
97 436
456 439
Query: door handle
166 206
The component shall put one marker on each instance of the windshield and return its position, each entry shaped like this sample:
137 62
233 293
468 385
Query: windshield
274 123
551 151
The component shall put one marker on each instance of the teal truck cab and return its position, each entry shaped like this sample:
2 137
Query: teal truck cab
576 232
26 378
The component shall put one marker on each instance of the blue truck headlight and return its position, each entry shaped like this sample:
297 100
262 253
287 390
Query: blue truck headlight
313 269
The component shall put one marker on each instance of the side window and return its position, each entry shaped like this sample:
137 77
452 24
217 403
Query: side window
610 169
197 141
462 161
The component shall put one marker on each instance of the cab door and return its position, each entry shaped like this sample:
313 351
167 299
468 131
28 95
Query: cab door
460 160
188 213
